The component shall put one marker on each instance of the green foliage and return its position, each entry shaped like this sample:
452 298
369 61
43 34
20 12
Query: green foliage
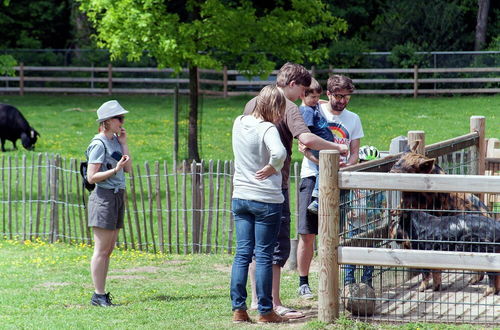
405 56
35 24
7 64
210 33
348 53
432 25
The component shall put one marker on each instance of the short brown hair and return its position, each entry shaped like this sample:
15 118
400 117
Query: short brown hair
338 82
270 104
314 87
293 72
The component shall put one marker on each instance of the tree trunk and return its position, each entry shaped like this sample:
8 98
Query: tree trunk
482 21
193 114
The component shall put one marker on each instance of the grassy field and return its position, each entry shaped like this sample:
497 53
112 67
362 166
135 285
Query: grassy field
49 287
67 123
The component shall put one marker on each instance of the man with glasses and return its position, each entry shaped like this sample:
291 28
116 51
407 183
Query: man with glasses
346 128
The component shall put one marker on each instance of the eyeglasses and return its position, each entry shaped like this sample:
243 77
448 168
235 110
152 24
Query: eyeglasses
339 97
120 118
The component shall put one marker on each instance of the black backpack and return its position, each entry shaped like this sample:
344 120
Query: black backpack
83 169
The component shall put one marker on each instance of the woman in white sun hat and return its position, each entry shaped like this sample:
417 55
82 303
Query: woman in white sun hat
108 159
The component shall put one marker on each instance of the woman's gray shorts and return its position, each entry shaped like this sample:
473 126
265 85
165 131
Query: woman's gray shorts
106 208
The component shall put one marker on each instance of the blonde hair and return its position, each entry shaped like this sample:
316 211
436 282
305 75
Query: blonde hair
270 104
103 126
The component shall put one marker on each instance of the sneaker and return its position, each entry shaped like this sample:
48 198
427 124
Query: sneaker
103 300
313 207
305 292
241 316
272 317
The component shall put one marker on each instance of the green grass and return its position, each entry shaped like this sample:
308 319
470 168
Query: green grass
49 287
67 123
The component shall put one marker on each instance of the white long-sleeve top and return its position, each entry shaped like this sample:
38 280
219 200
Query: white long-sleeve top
257 143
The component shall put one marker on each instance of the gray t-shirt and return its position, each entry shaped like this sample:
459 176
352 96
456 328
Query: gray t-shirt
95 154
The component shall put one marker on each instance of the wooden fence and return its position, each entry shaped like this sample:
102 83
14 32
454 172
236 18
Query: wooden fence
114 80
371 248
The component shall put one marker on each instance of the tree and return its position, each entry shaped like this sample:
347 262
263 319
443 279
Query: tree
211 33
482 21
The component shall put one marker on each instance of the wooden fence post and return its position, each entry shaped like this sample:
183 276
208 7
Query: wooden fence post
21 79
110 78
415 81
477 124
329 220
224 79
417 137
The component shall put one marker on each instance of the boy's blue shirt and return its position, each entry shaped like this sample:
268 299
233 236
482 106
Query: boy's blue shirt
316 122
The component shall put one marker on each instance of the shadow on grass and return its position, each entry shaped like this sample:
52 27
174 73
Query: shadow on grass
163 297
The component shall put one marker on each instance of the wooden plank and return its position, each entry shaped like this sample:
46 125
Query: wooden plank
32 175
177 223
458 80
9 197
184 205
201 194
419 259
161 237
448 70
79 189
16 196
210 205
135 210
169 206
451 145
224 203
328 228
231 215
129 220
217 204
23 197
143 204
365 70
64 197
419 182
151 204
4 214
459 91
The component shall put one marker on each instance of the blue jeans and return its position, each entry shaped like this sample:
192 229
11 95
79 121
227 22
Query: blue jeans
350 269
257 225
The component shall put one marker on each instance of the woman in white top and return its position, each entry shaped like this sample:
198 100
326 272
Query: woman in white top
257 201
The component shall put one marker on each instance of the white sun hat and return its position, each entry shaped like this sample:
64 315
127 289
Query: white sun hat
110 109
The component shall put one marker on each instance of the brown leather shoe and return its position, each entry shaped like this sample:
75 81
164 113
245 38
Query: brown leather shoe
272 318
240 316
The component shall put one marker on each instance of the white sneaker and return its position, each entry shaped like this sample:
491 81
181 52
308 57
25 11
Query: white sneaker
305 292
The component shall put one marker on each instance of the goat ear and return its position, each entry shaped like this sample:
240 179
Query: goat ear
427 165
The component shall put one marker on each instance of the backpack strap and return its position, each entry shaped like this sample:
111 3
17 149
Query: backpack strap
103 144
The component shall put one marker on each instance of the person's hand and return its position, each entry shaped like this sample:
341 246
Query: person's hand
122 162
122 138
343 149
265 172
342 164
302 148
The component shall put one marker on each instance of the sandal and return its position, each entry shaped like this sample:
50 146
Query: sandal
289 313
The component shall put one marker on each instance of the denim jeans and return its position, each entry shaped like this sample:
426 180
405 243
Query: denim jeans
367 275
257 225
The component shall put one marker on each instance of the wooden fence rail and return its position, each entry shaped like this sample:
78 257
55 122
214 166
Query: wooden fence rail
113 80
